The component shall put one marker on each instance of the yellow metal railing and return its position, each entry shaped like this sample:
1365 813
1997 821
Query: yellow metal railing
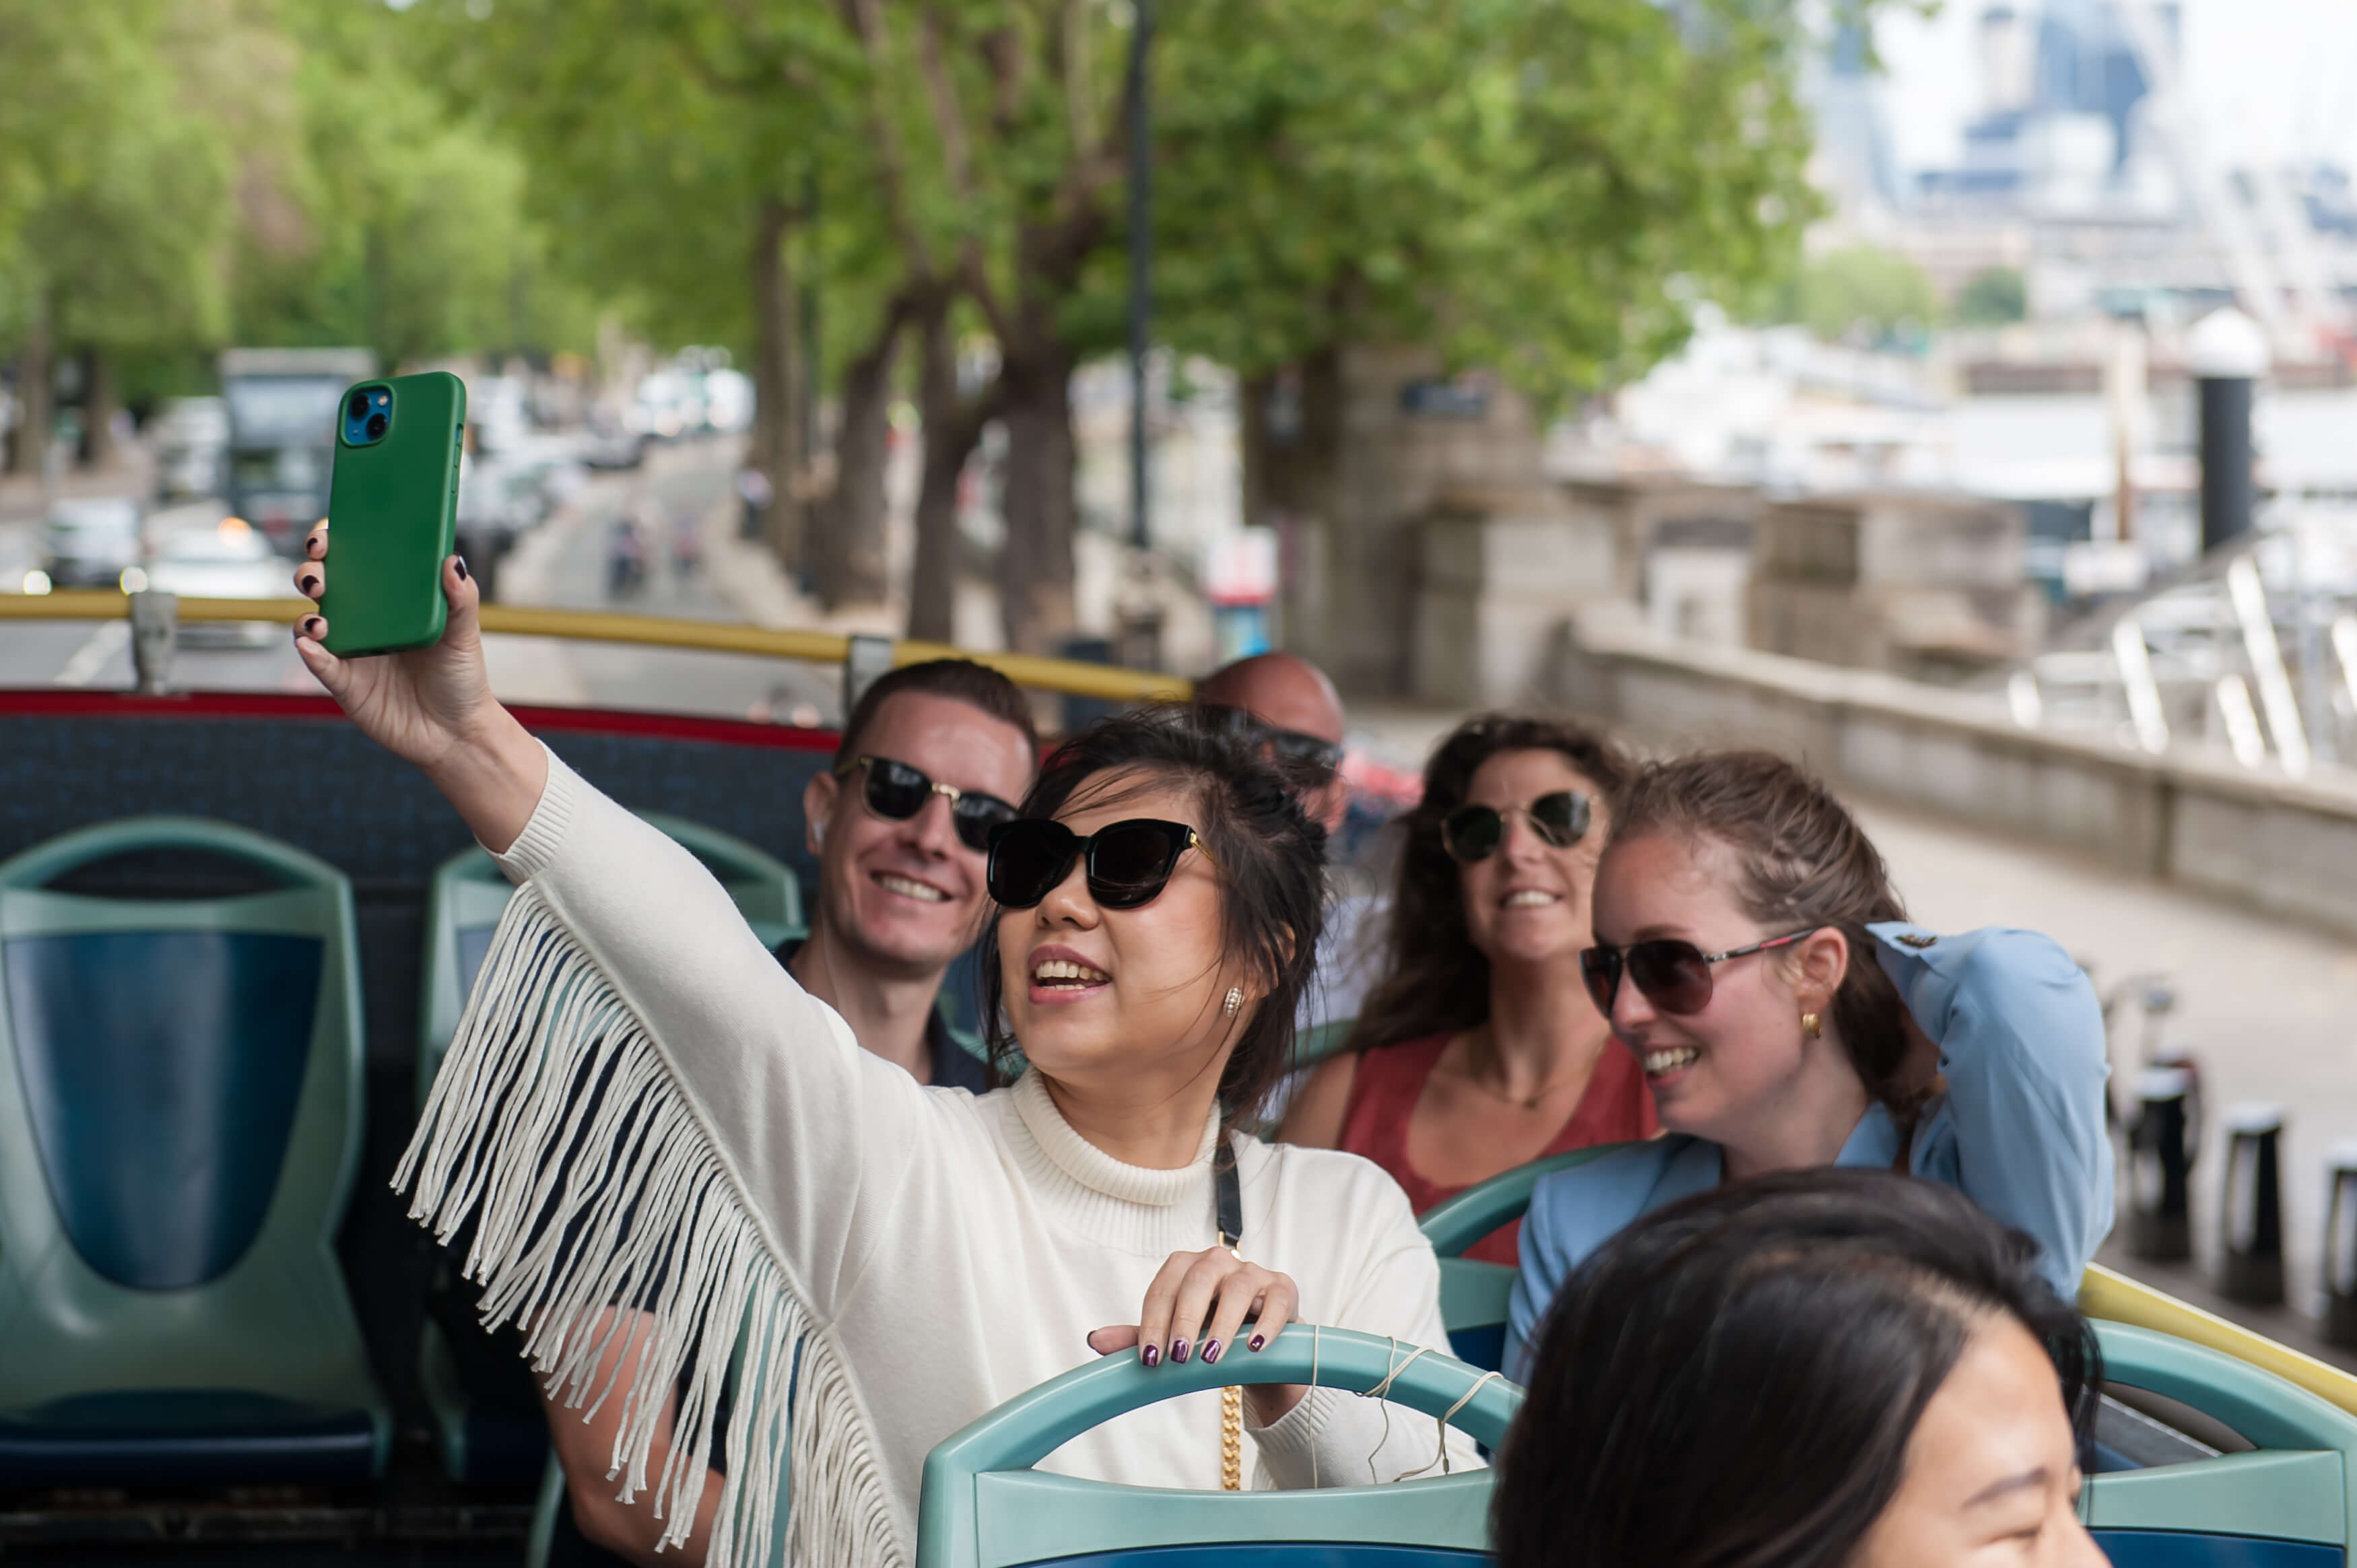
2115 1298
1063 675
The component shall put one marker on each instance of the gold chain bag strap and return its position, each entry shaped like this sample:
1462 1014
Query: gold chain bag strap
1229 1218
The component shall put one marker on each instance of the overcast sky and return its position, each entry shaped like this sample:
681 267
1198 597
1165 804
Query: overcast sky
2268 76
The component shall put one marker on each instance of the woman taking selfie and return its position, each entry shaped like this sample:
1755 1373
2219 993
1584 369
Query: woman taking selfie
1813 1370
641 1107
1755 960
1481 1050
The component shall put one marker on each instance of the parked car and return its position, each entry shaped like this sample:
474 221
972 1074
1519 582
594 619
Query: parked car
232 561
91 540
192 440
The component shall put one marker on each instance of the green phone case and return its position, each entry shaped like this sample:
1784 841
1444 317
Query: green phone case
392 516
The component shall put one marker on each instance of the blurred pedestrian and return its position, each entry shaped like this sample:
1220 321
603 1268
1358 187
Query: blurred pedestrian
755 491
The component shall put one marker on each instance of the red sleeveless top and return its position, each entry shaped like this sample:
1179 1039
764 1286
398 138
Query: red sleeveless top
1616 1108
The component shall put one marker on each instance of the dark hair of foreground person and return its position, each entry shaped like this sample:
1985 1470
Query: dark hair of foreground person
1732 1382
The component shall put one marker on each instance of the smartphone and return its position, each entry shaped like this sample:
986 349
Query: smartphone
392 513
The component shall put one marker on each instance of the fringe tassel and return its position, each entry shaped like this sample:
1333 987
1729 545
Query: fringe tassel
556 1126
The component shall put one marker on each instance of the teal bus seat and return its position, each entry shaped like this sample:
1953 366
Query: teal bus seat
180 1086
1474 1295
983 1506
2285 1503
485 1439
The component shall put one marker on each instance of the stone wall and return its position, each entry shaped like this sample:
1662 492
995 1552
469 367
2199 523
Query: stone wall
2267 844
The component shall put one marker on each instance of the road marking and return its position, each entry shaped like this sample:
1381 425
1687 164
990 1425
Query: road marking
110 637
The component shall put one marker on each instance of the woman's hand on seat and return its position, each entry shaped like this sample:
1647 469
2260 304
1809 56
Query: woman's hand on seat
433 706
1197 1305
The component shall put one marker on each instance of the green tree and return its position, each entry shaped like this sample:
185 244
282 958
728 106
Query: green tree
1860 291
1993 298
114 208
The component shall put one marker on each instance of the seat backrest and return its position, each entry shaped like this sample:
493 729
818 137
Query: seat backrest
2283 1504
983 1506
469 893
180 1084
1474 1295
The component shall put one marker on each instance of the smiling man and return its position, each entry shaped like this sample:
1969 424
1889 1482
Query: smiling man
932 756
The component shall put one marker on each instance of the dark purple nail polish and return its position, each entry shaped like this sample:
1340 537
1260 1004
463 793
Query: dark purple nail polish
308 583
312 625
461 568
1257 1341
1211 1352
1178 1349
1151 1355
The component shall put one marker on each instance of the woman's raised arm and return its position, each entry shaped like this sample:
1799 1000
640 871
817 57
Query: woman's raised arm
640 1107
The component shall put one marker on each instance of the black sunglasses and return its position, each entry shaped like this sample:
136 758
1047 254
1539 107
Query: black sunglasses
1129 862
1474 832
1293 745
898 792
1675 975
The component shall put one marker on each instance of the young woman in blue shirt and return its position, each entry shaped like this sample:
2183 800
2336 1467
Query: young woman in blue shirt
1754 956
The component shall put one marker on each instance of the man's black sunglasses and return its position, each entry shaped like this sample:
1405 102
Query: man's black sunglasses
1129 862
898 792
1293 745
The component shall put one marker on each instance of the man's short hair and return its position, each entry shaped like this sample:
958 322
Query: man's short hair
960 679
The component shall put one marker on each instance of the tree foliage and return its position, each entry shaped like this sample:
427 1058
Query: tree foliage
1863 292
1993 298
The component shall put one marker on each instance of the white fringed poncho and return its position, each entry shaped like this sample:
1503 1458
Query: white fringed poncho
916 1256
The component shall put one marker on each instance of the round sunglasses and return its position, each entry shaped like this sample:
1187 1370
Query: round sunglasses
1128 863
1473 833
897 791
1675 975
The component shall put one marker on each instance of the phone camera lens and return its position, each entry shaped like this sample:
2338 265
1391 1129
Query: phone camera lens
359 405
376 426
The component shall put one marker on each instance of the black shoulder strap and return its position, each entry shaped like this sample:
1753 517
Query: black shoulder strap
1231 1197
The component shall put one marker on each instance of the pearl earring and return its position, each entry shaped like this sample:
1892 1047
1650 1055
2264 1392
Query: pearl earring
1236 999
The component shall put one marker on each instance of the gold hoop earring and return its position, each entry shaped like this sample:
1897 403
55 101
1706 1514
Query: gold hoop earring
1812 1025
1236 1001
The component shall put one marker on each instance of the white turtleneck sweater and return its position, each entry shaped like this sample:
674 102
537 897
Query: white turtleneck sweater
947 1251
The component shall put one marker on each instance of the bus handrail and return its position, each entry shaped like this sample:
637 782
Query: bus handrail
1067 676
2115 1298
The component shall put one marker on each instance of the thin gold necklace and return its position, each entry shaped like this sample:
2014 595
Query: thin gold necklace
1529 1102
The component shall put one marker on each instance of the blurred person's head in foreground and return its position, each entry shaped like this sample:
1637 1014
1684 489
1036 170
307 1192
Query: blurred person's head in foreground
932 756
1824 1369
1287 705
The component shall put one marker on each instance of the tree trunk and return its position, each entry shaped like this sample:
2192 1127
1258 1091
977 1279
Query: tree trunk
1035 568
952 428
1298 458
35 373
100 403
777 392
846 534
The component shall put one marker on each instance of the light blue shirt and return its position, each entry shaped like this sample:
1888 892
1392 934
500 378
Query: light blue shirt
2020 1130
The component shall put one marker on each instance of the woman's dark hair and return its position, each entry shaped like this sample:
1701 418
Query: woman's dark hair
1801 860
1731 1381
1269 857
1434 980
